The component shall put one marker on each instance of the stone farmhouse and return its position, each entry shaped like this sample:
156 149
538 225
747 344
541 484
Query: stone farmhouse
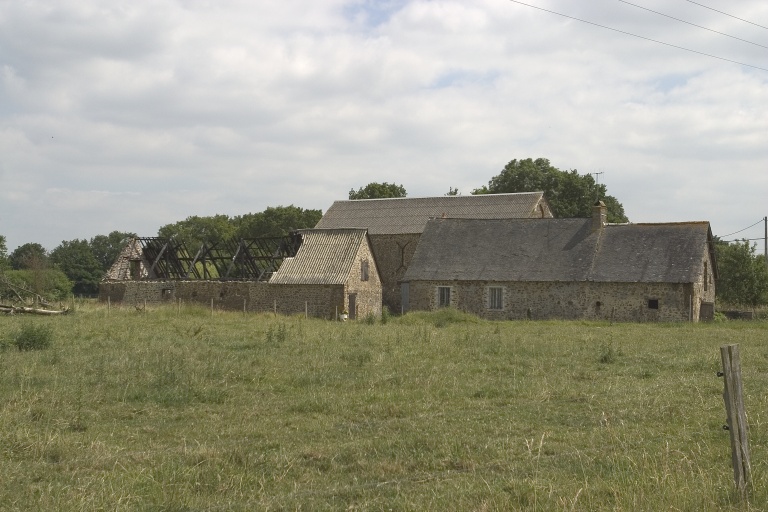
498 256
326 272
564 268
395 225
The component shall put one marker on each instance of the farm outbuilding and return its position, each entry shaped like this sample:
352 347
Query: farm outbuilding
395 225
564 268
320 272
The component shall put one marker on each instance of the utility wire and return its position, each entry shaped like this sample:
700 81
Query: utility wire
743 239
638 36
739 231
731 15
689 23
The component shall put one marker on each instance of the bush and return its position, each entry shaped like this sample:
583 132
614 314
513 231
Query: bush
33 337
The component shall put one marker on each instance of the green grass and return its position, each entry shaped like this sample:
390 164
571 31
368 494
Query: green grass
172 411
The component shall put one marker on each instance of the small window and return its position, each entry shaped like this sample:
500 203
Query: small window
495 297
653 303
364 270
443 296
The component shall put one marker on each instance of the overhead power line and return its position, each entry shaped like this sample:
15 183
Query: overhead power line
692 24
731 15
639 36
746 228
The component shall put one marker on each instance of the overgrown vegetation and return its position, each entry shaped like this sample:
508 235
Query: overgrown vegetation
184 410
33 336
743 278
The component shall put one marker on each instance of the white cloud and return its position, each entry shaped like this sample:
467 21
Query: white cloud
133 116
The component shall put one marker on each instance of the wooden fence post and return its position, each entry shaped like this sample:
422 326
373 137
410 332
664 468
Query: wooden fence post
733 395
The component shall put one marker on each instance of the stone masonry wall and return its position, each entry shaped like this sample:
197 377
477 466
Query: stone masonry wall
627 302
393 255
319 300
369 292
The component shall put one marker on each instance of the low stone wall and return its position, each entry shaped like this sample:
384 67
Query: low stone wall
622 302
322 301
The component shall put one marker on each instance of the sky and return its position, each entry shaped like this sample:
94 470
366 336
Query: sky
127 116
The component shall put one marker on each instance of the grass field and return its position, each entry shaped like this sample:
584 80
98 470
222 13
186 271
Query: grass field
173 410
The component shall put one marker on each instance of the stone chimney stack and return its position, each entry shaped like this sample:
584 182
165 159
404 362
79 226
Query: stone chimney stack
599 216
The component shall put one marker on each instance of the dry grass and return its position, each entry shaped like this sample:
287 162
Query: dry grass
164 410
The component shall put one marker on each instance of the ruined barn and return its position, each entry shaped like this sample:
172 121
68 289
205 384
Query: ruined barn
317 272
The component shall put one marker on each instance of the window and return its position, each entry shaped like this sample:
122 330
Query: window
495 297
364 270
653 303
443 296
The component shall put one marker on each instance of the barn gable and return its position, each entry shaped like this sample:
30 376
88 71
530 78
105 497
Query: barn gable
326 256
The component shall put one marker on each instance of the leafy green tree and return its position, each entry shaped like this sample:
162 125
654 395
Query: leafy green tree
4 263
743 276
568 193
275 221
29 256
378 191
48 283
78 263
194 230
106 248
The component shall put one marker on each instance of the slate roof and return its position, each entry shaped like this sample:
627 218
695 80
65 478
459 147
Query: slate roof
410 214
559 250
325 257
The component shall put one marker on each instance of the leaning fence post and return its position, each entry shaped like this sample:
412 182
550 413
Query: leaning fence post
733 395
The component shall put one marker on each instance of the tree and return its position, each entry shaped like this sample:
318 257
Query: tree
743 276
194 230
76 259
29 256
49 283
106 248
275 221
568 193
378 191
4 263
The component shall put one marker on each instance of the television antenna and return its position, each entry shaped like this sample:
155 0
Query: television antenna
597 182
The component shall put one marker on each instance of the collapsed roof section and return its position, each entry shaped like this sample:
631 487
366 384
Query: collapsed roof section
163 258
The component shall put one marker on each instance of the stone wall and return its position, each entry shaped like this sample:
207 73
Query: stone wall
368 292
322 301
393 255
621 302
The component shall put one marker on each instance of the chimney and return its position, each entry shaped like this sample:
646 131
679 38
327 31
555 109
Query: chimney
599 216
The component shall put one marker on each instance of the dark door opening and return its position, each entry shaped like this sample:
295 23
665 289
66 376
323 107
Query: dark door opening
352 306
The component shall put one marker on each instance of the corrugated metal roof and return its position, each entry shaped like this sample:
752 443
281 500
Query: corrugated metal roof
325 257
558 250
410 214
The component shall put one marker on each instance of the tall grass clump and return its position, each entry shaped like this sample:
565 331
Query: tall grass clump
33 337
440 318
